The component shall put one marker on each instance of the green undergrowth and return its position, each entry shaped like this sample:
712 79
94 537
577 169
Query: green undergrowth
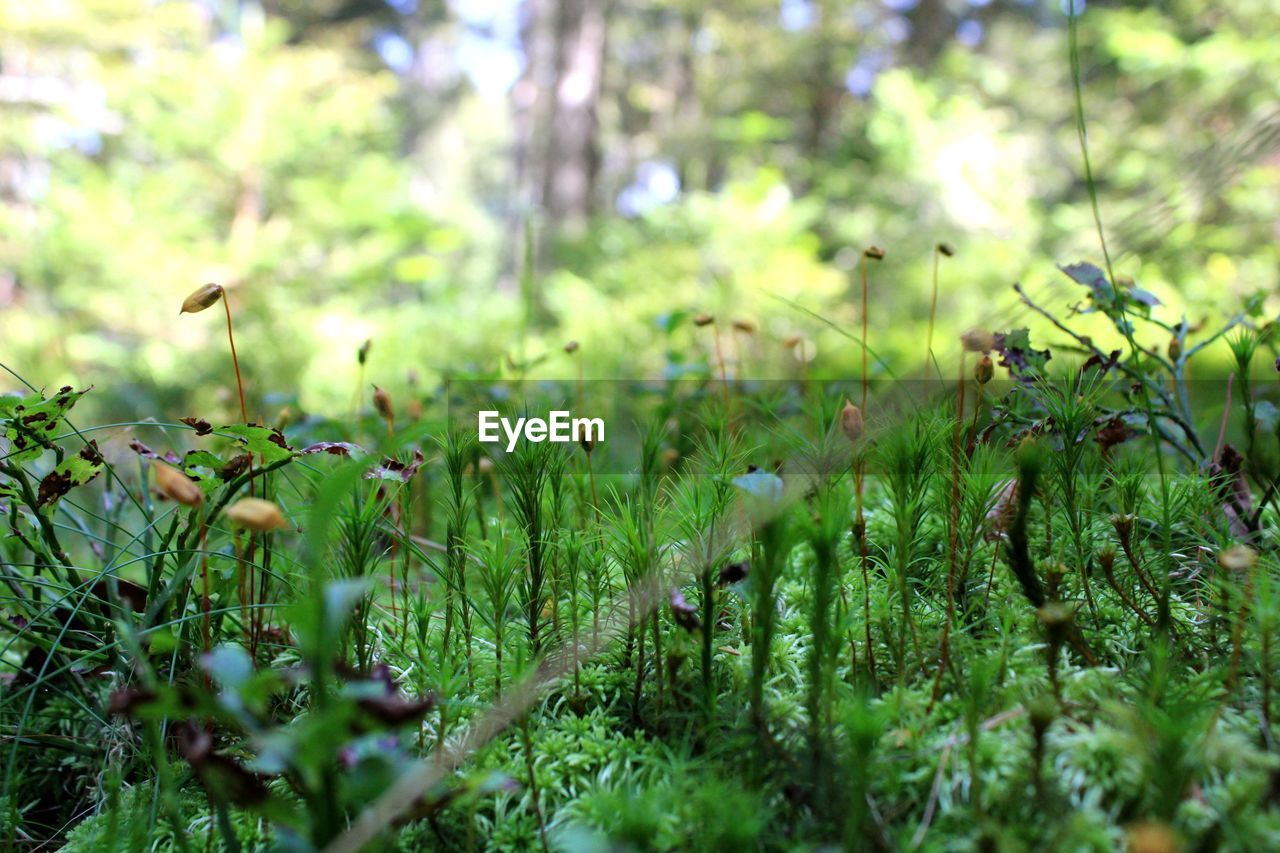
1034 610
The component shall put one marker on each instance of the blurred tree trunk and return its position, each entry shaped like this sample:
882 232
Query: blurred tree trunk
574 156
932 28
530 119
823 94
687 108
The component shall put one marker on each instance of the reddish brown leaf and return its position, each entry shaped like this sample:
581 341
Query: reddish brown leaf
200 425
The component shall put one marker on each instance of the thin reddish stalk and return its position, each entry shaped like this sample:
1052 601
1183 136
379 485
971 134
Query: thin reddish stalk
204 579
860 476
250 627
933 311
1226 413
945 650
973 429
407 523
724 380
235 362
391 569
991 576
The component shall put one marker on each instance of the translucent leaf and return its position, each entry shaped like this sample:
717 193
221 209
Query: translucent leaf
761 485
1267 415
1091 277
230 665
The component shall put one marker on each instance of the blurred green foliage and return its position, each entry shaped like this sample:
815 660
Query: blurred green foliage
149 147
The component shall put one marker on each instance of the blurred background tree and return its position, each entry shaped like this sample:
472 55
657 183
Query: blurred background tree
469 184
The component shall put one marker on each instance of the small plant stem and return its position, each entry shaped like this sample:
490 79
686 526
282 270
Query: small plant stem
859 476
1266 679
933 311
497 660
1237 636
1126 547
246 612
724 377
1226 415
260 612
1114 583
391 575
204 582
864 559
527 743
973 428
235 361
250 635
1166 503
952 534
991 576
356 398
865 327
406 522
708 634
658 668
595 500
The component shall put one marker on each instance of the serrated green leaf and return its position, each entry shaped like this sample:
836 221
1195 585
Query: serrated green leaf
202 459
29 423
71 472
265 442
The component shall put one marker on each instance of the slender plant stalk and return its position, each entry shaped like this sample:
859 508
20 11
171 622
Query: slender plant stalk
938 252
952 536
859 466
1082 133
527 743
724 377
251 635
204 585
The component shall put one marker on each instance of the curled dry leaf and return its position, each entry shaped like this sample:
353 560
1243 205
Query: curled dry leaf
394 469
200 425
204 297
142 450
235 466
337 448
